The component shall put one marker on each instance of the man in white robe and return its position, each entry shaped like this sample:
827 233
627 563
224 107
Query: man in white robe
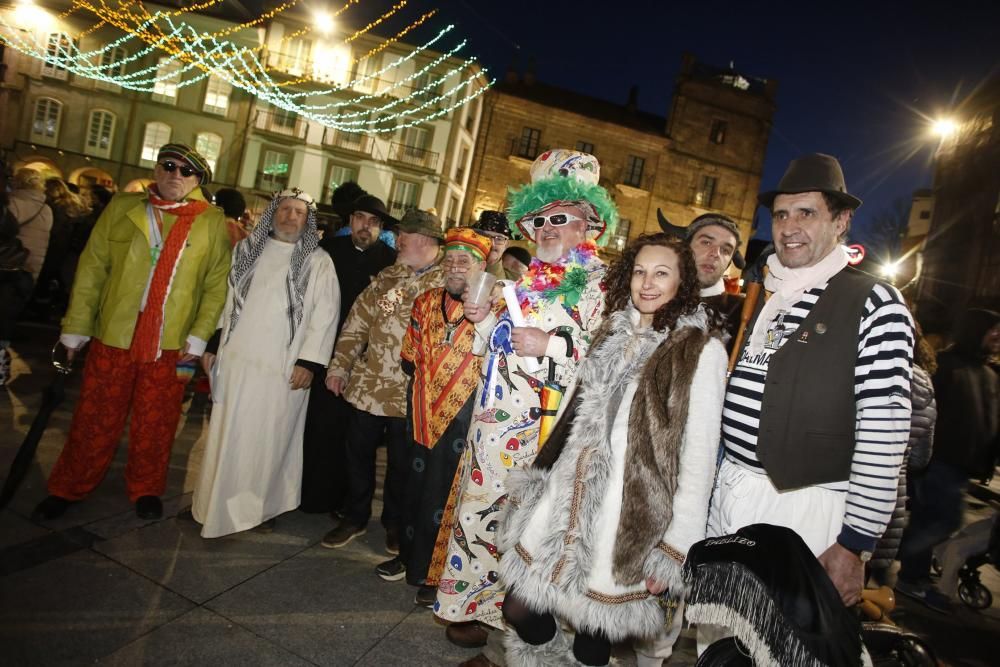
276 331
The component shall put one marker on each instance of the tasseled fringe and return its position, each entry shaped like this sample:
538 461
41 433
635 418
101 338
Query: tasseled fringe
735 598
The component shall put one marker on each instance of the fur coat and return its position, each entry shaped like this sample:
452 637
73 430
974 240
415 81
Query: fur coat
621 489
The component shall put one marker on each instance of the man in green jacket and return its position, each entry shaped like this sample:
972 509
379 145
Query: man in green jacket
149 288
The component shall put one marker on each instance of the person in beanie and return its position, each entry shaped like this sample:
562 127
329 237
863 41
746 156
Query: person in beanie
277 333
437 354
715 241
515 261
365 369
817 411
149 288
563 211
359 256
494 225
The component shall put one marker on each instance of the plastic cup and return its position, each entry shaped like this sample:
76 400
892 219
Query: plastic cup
481 287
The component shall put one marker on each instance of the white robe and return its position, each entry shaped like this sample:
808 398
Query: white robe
252 470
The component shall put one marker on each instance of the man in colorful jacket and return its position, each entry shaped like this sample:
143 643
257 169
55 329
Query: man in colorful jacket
366 370
149 288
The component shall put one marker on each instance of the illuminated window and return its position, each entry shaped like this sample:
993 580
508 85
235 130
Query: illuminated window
99 133
274 168
59 47
209 145
156 135
45 121
168 76
217 96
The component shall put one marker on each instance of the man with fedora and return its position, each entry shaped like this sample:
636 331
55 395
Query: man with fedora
366 370
715 242
358 258
148 291
817 411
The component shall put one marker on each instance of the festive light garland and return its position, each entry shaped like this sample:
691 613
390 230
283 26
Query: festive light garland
188 49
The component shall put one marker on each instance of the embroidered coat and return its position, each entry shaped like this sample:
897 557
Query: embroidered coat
628 493
367 350
504 437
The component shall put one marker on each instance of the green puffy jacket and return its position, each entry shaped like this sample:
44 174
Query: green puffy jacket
115 267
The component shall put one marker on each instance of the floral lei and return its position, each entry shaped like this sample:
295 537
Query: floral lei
544 283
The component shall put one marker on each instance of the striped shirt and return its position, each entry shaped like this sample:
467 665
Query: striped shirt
882 399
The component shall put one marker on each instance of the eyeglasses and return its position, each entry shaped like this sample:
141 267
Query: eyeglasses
170 167
556 220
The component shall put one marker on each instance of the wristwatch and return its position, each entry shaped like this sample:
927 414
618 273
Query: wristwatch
863 556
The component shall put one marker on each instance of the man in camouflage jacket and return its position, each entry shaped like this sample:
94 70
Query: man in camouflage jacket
366 370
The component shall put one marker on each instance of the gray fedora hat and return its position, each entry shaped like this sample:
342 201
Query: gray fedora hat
815 172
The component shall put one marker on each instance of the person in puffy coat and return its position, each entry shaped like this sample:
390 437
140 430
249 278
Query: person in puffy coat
918 455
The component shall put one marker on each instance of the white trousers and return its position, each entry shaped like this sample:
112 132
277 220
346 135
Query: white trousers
742 497
653 651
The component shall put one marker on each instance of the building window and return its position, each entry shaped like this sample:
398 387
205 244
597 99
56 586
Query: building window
620 239
527 147
585 147
217 96
633 171
404 197
168 75
451 218
718 134
925 215
209 145
471 110
45 121
59 47
99 132
156 135
427 87
338 175
112 65
706 193
283 120
274 168
463 161
415 141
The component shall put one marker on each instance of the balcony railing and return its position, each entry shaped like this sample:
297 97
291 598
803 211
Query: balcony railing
355 142
398 208
418 157
285 124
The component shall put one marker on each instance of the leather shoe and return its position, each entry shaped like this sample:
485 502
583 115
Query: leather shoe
149 507
466 635
52 507
479 660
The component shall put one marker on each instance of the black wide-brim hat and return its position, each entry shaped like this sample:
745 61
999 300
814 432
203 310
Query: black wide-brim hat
812 173
375 206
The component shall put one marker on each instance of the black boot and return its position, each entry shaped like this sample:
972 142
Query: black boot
149 507
51 508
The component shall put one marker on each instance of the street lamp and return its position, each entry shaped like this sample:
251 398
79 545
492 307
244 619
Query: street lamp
324 22
944 127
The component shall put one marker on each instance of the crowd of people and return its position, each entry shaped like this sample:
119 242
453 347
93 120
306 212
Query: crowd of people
559 432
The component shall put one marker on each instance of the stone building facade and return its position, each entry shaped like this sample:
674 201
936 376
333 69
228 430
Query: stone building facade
961 257
707 154
89 131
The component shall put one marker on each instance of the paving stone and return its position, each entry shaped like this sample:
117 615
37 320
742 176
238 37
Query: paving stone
421 639
324 605
202 638
173 553
77 609
16 529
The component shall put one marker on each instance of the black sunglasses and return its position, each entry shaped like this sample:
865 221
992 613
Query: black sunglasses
170 167
556 220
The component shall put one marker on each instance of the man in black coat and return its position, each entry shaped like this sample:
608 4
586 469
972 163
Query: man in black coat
715 242
358 258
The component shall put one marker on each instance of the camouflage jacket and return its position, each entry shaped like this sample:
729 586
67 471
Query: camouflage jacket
367 351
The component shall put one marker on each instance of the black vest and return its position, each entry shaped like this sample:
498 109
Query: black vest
807 416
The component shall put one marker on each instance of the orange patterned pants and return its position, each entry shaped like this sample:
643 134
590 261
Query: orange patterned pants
112 384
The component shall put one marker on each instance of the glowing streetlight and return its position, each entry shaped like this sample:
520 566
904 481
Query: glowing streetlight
324 22
944 127
890 269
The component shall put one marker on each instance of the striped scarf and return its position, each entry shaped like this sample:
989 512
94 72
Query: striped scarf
245 258
149 329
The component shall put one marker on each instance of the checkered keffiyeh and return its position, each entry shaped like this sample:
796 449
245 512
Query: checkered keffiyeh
248 251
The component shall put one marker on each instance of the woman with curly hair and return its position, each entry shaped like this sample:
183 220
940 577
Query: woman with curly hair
594 533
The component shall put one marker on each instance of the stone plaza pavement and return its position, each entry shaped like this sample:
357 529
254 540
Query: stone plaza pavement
101 586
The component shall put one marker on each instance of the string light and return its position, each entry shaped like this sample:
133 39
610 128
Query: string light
188 49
